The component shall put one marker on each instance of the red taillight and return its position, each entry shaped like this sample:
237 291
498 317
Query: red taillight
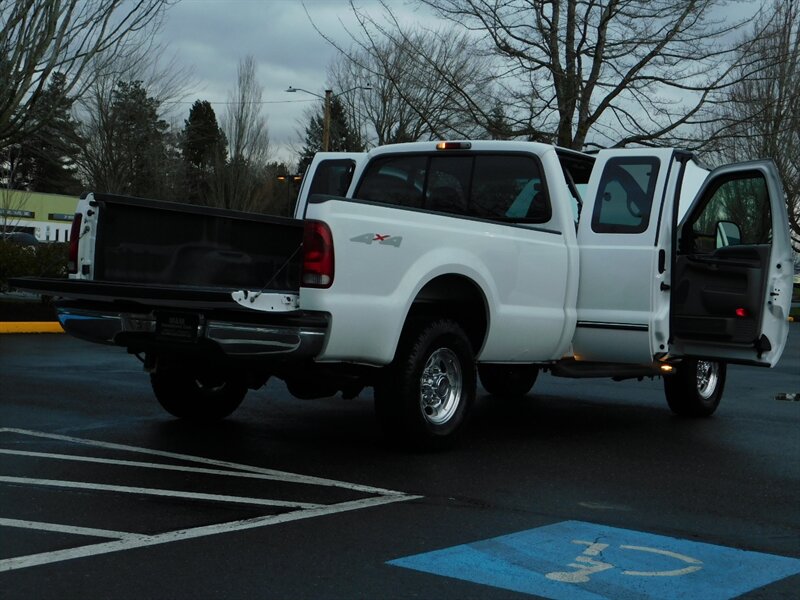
74 238
317 255
741 312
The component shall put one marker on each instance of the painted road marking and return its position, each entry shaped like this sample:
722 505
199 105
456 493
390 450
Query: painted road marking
285 477
234 469
56 528
124 489
141 541
673 572
587 566
584 561
121 540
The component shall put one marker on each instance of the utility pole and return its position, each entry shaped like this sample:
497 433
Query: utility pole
326 125
326 121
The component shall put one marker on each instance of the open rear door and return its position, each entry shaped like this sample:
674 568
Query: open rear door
732 270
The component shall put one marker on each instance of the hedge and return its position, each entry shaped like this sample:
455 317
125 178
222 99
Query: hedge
42 260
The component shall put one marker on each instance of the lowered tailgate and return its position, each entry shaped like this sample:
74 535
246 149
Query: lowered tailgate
165 273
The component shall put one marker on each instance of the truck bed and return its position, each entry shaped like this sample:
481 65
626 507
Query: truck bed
152 242
164 275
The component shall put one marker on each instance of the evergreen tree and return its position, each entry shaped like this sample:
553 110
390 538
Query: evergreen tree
497 126
342 136
45 160
126 149
139 137
204 150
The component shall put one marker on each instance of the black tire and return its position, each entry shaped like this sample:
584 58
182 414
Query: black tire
425 395
511 381
189 394
695 390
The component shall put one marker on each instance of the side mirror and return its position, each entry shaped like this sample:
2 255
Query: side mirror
728 234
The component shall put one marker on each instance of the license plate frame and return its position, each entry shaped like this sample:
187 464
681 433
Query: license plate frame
178 326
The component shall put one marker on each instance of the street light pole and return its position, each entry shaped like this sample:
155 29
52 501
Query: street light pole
326 120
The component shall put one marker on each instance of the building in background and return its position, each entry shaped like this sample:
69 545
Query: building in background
46 216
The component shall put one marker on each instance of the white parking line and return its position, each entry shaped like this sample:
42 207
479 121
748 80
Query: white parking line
126 541
143 465
32 560
124 489
56 528
273 474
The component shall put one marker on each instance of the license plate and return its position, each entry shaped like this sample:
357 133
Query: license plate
177 326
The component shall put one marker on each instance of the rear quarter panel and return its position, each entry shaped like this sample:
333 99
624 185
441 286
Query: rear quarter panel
385 255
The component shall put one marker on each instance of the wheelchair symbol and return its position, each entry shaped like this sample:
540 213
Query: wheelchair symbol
589 562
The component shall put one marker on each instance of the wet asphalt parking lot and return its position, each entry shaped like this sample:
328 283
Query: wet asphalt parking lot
584 489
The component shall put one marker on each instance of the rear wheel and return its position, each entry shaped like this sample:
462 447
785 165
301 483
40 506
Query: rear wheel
695 390
508 380
425 395
202 396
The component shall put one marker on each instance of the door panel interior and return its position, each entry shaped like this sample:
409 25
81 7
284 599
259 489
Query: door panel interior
719 296
729 281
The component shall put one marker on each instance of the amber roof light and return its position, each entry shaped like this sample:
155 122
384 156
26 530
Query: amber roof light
453 145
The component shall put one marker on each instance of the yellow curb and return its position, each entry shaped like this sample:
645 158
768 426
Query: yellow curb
31 327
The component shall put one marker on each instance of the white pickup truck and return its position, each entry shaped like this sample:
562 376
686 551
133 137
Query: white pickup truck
414 268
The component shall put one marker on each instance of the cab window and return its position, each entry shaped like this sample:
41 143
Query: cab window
447 189
736 213
498 187
625 196
332 177
394 180
509 188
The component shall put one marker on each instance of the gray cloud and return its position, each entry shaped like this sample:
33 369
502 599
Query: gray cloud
211 36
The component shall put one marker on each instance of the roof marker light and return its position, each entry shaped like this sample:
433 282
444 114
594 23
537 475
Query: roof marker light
454 145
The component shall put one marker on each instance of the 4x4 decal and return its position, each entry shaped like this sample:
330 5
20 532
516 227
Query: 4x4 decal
383 239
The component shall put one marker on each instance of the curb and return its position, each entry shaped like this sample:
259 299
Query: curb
31 327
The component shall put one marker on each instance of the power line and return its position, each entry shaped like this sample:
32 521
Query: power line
262 102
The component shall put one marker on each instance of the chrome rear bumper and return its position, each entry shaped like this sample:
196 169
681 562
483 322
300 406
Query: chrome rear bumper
233 338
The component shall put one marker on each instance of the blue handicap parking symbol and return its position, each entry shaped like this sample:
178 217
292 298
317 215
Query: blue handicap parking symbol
575 561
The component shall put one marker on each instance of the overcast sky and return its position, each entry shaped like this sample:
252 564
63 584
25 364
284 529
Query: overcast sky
212 36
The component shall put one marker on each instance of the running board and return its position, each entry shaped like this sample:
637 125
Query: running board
584 370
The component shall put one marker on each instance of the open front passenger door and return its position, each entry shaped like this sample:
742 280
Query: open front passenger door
732 269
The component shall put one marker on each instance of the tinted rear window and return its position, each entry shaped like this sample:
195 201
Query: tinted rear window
332 177
499 187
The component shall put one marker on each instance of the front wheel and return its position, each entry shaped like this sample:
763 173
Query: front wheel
425 395
195 395
695 390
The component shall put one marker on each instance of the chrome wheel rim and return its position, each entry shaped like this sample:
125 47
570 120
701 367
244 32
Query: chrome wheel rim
707 378
440 386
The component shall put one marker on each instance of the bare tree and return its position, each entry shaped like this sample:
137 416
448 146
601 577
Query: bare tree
616 72
110 130
761 115
242 184
425 84
12 201
41 37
